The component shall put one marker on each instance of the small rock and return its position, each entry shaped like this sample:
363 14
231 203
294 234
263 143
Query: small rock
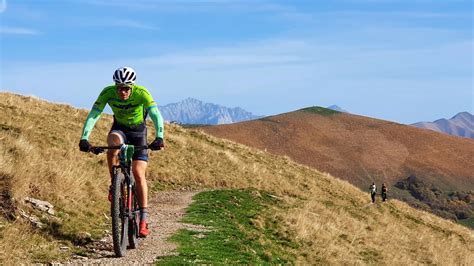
256 194
41 205
84 237
33 219
200 235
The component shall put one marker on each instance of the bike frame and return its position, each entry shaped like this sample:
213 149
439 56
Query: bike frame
128 211
125 156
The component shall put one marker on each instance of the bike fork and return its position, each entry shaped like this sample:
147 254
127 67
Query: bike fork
130 197
132 212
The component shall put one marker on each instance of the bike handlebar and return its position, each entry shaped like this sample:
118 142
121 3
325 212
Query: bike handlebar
137 147
100 149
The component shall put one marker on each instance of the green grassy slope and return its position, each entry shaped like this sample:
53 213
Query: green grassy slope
325 219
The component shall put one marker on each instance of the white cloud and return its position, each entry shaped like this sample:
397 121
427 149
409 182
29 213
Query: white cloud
132 24
193 5
18 30
399 14
274 76
126 23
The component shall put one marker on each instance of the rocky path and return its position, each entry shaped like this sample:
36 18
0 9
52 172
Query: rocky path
165 210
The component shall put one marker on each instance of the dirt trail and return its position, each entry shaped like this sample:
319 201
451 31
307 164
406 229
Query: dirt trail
165 209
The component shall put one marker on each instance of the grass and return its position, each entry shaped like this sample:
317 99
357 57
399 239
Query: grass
239 231
194 125
318 218
320 111
371 256
467 222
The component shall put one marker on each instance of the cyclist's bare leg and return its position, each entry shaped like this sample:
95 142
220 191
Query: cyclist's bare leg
113 139
139 169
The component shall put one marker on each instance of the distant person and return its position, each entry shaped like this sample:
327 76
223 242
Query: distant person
384 192
373 191
130 104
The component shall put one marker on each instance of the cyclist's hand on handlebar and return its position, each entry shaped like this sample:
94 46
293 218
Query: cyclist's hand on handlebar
157 144
84 145
96 150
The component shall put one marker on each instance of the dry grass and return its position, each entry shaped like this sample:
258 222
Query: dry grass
363 150
359 232
38 159
359 149
331 220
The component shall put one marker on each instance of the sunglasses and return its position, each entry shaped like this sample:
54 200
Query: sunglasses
124 88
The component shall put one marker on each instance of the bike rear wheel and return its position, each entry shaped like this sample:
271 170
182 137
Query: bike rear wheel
133 221
118 207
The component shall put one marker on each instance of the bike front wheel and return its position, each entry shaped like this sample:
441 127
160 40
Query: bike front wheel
133 220
119 221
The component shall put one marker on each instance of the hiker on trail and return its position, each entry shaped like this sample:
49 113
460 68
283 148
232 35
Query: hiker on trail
373 191
384 192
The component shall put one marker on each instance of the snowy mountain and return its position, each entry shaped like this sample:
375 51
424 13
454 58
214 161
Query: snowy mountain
193 111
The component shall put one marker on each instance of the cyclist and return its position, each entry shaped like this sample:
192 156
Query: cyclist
130 104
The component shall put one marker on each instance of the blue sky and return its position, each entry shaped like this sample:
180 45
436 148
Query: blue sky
404 61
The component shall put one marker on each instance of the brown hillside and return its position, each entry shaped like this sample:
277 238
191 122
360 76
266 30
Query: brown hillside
360 149
318 218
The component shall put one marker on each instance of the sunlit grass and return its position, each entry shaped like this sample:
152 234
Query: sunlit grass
329 219
238 229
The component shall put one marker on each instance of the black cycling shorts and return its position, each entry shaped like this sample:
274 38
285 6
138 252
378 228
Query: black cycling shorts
135 135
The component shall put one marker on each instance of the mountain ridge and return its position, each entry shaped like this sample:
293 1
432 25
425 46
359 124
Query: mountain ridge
362 150
461 124
194 111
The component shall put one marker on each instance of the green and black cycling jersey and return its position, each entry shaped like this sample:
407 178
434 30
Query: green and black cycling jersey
129 113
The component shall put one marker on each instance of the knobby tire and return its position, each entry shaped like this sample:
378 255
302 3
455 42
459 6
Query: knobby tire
119 224
134 219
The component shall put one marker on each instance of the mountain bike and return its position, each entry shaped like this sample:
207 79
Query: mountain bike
124 209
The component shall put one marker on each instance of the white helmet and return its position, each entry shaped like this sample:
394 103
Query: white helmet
125 75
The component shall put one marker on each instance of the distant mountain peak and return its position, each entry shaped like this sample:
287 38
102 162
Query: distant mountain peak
463 115
194 111
336 108
192 100
462 124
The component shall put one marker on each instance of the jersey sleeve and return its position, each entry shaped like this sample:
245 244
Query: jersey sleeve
152 109
101 101
157 119
91 119
95 113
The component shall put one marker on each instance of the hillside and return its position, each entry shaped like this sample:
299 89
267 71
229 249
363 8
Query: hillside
461 125
327 220
361 150
193 111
